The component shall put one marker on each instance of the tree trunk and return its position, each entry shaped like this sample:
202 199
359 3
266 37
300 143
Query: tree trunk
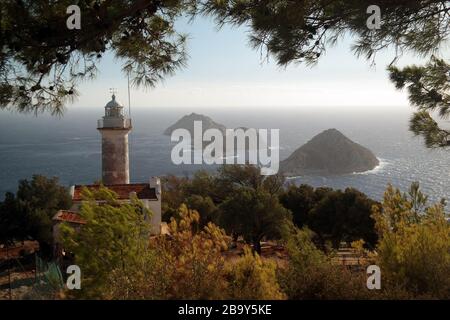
9 271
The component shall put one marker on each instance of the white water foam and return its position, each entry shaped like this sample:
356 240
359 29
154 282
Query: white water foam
378 169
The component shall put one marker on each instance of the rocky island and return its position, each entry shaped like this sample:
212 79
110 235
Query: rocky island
187 122
329 153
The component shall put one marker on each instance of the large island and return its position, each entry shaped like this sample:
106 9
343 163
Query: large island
329 153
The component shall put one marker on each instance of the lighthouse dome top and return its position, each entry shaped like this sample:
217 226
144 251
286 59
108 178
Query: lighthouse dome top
113 103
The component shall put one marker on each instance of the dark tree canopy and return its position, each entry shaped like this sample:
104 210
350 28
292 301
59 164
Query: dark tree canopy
28 214
344 216
205 207
333 215
299 200
254 214
12 220
300 31
42 61
232 177
428 89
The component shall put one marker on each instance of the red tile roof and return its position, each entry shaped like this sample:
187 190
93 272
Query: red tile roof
68 216
143 191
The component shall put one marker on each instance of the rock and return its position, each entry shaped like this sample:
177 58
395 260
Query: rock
329 153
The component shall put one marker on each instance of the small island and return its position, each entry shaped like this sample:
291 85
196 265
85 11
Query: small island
187 122
329 153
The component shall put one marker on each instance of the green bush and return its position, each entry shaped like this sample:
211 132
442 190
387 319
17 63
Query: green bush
310 274
253 278
414 248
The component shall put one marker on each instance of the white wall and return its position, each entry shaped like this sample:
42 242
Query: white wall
155 207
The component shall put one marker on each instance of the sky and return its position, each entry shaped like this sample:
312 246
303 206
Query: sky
223 71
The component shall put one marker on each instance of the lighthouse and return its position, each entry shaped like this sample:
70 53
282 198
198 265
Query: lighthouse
114 128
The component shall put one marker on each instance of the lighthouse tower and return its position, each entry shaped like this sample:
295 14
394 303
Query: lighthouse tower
114 128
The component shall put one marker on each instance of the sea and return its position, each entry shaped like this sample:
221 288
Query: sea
69 147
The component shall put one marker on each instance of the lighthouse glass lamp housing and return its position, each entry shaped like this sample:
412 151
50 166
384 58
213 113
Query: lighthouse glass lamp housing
114 117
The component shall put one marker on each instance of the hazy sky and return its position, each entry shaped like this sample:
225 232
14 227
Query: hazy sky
223 71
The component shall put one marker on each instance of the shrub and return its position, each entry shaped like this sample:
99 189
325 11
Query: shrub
188 264
310 274
253 278
111 248
414 247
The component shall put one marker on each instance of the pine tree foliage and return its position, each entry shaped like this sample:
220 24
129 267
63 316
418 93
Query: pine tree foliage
111 247
42 61
301 31
429 90
414 246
